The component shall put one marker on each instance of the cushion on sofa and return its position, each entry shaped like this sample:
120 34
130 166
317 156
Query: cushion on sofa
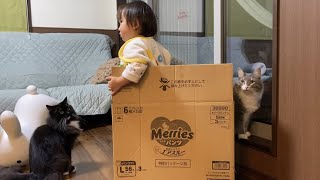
104 71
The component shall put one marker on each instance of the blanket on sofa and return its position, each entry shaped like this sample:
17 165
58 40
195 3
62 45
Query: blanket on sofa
59 64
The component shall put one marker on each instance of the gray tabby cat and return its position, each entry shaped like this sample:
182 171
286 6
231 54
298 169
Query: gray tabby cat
248 91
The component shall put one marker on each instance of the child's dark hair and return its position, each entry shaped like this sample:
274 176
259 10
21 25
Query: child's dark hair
141 12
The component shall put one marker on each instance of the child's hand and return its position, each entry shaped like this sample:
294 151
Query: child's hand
116 83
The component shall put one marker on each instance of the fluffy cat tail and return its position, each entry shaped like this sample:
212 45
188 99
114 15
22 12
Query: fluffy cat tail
31 176
16 173
54 176
13 173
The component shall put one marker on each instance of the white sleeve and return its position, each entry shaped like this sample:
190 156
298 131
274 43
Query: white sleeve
134 71
135 51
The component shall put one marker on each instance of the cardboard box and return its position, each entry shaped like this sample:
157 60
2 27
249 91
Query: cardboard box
176 124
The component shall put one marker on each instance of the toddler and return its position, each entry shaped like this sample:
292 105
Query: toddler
137 27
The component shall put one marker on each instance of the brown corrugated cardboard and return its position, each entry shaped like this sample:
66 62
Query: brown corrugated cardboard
177 123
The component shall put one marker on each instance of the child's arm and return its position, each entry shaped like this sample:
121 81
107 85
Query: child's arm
116 83
132 73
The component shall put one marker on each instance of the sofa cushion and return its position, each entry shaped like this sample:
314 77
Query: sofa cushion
104 71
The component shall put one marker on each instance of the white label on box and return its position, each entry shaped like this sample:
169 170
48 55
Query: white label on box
220 115
221 165
127 169
173 163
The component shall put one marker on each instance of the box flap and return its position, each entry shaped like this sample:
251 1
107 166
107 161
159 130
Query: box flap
185 83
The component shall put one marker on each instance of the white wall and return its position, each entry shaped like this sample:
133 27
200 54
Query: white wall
86 14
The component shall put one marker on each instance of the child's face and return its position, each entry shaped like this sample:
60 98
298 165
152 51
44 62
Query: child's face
126 31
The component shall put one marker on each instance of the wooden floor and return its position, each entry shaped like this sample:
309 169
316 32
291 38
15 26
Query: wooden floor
92 155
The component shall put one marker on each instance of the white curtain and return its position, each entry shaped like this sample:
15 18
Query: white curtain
257 11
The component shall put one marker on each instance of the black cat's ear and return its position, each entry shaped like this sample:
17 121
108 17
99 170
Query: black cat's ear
241 74
65 101
257 73
50 108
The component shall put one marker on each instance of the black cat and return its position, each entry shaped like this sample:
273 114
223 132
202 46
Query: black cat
51 145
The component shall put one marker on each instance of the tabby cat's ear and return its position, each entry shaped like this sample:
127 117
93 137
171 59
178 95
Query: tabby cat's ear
65 101
241 74
257 73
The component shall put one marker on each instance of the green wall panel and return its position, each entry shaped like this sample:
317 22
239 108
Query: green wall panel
13 15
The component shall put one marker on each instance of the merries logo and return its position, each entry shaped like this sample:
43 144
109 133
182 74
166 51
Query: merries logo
173 133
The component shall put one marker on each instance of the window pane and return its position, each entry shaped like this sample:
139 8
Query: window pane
248 46
186 29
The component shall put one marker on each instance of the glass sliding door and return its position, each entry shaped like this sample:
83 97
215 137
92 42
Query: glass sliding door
249 44
186 29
